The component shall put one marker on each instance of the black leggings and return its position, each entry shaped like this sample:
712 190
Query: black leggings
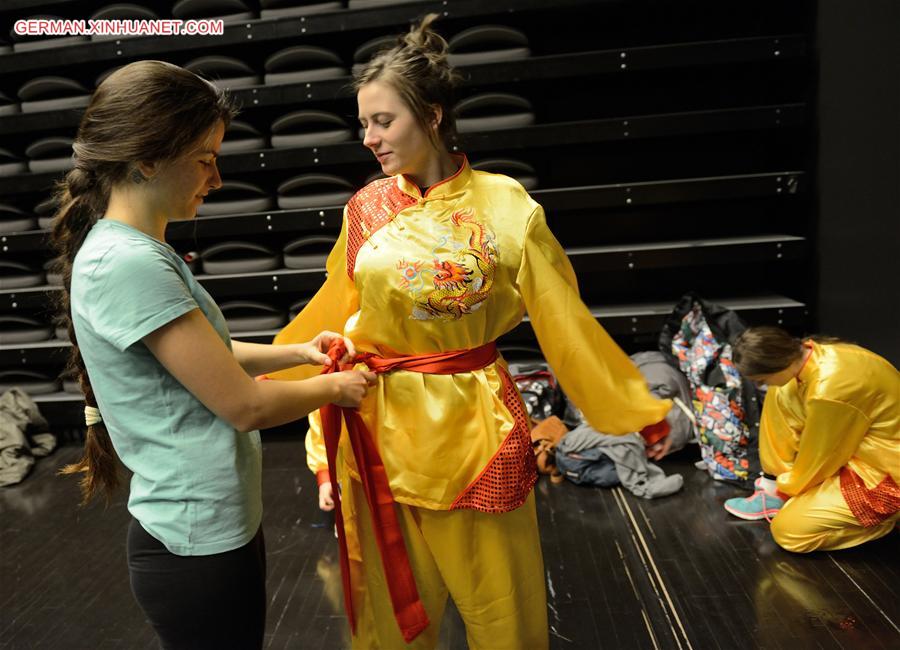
200 601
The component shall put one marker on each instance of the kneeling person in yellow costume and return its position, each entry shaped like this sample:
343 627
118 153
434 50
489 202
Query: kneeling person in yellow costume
829 441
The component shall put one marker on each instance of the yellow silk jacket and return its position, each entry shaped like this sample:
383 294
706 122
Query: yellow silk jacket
453 270
842 409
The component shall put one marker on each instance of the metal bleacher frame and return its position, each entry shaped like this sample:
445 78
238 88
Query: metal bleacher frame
770 186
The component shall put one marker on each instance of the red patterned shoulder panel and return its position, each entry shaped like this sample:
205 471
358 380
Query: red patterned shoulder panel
372 207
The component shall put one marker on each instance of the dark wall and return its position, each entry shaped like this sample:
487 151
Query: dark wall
859 173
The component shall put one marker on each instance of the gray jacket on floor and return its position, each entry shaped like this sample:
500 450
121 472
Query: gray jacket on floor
18 413
636 473
667 382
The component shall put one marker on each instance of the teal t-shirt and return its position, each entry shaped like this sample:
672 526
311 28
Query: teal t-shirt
197 481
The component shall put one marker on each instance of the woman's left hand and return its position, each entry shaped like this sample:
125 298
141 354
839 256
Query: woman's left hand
315 352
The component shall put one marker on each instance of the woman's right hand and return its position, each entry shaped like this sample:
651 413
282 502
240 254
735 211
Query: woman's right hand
316 351
352 386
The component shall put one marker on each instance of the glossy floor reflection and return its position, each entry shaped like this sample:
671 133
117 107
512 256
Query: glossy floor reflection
621 572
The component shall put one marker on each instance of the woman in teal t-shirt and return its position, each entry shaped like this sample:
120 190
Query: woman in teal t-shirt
166 389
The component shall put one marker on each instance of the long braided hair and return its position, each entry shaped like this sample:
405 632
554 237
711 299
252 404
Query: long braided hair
147 111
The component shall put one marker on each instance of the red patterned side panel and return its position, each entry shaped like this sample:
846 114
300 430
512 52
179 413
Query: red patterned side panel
507 479
870 507
372 207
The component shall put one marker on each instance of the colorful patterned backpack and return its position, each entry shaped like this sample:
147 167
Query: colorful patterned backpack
697 339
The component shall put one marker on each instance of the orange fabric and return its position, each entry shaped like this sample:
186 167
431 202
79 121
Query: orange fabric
545 436
870 507
407 605
323 476
653 433
443 363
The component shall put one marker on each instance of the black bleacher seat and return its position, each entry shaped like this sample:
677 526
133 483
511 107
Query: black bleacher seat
124 11
121 11
488 44
493 111
239 257
365 52
300 63
8 106
309 252
11 164
71 385
22 329
51 154
12 219
242 136
226 72
45 211
309 129
31 381
16 275
314 190
250 315
234 197
53 93
53 278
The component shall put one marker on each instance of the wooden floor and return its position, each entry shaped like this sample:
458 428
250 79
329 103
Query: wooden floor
622 572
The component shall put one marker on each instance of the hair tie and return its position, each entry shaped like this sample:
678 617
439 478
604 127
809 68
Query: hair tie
92 416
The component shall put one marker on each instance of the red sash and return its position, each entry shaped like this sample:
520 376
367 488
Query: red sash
408 608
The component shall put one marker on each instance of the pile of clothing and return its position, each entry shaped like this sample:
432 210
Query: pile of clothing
23 436
588 457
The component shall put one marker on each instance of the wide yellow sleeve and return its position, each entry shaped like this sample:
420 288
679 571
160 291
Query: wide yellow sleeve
779 432
594 372
316 459
334 302
831 434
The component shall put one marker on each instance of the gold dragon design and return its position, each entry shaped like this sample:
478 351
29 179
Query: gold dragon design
459 284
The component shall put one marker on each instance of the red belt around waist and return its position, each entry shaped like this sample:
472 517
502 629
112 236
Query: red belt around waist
408 608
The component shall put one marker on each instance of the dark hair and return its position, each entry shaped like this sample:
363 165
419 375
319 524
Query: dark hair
765 350
148 111
417 68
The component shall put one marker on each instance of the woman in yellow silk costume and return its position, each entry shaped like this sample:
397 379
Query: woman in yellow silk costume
829 440
424 281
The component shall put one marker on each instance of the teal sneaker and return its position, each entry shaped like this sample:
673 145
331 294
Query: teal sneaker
759 505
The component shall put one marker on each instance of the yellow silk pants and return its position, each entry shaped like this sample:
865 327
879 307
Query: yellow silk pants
820 520
490 564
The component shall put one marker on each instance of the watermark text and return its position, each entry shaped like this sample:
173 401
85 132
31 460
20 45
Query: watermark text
123 27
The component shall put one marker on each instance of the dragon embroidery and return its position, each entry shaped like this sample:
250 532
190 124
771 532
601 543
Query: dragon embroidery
448 288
